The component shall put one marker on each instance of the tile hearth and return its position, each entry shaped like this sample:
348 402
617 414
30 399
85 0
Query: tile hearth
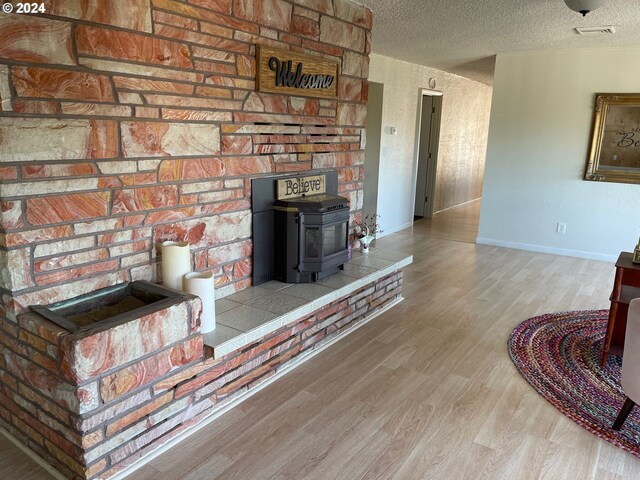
246 316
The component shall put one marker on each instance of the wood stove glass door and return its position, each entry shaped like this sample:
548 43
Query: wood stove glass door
335 238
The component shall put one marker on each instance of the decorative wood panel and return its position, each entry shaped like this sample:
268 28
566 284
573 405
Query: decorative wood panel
293 73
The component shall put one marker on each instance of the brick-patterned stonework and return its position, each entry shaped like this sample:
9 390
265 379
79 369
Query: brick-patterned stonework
97 420
127 123
124 124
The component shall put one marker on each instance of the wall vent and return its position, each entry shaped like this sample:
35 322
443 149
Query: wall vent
596 30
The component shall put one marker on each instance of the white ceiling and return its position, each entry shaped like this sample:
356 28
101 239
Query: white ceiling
463 36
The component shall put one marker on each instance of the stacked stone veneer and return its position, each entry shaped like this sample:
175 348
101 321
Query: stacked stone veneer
124 123
112 397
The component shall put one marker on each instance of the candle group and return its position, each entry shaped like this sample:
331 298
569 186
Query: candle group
176 274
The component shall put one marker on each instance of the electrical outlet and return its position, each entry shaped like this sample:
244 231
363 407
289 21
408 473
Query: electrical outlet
561 228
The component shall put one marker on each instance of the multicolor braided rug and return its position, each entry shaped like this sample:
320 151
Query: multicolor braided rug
559 355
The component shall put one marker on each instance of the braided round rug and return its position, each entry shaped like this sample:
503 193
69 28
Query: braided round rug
559 355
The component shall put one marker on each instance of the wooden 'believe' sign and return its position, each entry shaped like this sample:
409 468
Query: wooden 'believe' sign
297 187
292 73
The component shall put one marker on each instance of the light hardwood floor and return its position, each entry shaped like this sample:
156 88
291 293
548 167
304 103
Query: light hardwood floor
457 223
425 391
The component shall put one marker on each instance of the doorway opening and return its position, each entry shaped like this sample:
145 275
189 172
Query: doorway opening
428 140
373 132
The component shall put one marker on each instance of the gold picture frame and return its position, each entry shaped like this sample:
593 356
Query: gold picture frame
614 155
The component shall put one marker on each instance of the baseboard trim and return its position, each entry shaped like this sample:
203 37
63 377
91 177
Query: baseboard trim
389 231
458 205
544 249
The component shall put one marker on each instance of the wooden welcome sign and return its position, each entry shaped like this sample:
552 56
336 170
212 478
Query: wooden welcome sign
292 73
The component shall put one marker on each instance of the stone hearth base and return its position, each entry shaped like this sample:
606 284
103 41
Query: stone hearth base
132 410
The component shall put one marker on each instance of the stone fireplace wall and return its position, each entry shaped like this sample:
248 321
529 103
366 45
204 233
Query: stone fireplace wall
124 123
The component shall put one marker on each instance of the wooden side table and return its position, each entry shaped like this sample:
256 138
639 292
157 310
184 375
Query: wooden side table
626 287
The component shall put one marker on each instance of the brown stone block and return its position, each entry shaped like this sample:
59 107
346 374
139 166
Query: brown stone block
224 207
144 410
65 458
13 344
265 102
74 273
330 50
45 404
223 6
222 254
236 145
191 169
355 65
258 372
204 39
154 139
146 112
59 170
243 117
293 167
305 26
47 107
198 115
312 340
66 208
213 54
145 84
324 6
354 13
213 67
218 30
215 92
8 173
57 139
175 20
34 341
351 114
242 268
232 82
246 66
66 84
131 15
146 198
272 13
70 260
101 42
70 108
350 89
205 15
235 166
112 411
28 38
150 369
336 32
11 213
174 214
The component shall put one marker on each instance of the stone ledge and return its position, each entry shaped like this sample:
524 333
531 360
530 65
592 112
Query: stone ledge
253 313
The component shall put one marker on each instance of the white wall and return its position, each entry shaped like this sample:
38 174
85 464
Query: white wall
463 136
539 137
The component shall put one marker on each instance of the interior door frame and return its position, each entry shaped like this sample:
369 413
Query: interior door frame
431 172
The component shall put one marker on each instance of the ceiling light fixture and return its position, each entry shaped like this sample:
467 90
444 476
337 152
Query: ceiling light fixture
584 6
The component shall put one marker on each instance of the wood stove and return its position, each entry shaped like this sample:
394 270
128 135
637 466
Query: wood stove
310 237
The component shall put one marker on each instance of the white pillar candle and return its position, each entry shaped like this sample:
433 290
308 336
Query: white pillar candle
176 261
201 284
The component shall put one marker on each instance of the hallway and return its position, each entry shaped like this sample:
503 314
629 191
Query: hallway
459 223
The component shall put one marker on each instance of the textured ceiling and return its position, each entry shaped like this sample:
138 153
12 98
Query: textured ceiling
463 36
